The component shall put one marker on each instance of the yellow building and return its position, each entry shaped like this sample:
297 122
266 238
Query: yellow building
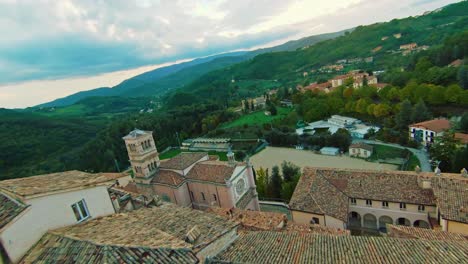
369 200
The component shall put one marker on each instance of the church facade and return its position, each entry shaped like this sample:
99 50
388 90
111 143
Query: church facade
190 179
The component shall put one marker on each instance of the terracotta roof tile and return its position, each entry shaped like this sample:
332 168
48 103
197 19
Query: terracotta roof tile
9 209
462 137
400 231
60 249
452 197
183 160
168 177
326 191
436 125
279 247
211 171
157 227
57 182
315 194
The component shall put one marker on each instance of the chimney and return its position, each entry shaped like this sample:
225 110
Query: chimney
417 169
464 173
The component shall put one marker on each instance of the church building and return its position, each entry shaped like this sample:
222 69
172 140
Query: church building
190 179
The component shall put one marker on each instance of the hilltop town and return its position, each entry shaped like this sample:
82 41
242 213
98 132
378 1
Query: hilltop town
319 151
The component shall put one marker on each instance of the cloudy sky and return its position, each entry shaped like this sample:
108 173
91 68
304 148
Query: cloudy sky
50 49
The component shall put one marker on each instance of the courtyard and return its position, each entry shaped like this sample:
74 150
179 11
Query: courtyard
272 156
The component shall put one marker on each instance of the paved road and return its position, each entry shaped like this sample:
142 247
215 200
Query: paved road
421 154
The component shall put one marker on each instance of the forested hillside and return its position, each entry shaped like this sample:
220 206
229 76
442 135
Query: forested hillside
159 81
201 106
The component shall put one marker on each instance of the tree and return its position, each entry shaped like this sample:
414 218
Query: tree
290 171
464 123
460 160
382 110
420 112
444 149
262 182
273 110
452 93
275 183
403 117
462 76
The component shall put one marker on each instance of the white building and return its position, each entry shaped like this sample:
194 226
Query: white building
426 132
329 151
31 206
355 126
361 150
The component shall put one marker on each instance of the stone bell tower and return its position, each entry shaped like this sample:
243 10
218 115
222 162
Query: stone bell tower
142 154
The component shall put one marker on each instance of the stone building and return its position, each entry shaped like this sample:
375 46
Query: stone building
191 179
344 198
164 234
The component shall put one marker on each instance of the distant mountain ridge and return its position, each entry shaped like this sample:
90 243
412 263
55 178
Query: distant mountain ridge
163 79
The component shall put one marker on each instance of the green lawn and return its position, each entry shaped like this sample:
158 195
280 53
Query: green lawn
174 152
386 152
257 118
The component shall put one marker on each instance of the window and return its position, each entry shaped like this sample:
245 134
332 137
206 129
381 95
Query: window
421 208
203 196
385 204
214 197
402 206
80 210
315 220
369 202
353 200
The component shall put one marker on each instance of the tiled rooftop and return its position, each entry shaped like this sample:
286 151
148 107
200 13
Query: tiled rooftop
423 233
315 194
436 125
156 227
452 197
168 177
211 171
269 221
281 247
326 191
56 182
183 160
9 209
60 249
362 146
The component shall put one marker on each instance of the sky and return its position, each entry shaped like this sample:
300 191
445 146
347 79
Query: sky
50 49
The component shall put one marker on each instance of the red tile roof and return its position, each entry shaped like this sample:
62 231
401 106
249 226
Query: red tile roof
168 177
462 137
436 125
211 171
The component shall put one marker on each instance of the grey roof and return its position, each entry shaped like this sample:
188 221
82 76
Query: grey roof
54 248
294 247
136 133
9 209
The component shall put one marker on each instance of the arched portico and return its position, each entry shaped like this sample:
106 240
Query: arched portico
421 224
354 219
384 220
370 221
403 221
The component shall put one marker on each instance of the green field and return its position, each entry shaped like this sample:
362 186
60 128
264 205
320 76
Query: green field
174 152
257 118
387 152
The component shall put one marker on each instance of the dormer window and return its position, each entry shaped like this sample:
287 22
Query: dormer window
80 210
